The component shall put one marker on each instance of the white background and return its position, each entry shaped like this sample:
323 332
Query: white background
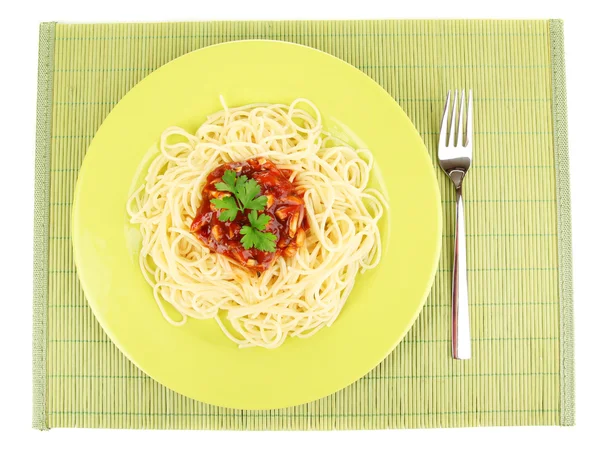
18 76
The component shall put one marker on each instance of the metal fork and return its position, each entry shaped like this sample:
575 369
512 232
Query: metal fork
455 153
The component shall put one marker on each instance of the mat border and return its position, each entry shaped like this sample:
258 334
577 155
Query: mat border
563 197
41 214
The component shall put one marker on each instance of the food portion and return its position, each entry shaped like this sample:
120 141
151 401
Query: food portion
251 213
260 220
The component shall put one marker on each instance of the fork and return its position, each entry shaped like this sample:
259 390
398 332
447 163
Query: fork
455 154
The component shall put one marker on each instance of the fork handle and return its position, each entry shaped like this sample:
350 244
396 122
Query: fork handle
461 333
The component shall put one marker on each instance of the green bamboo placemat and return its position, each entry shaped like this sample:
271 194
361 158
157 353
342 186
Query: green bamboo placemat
518 228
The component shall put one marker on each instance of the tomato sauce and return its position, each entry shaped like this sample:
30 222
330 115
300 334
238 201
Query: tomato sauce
285 207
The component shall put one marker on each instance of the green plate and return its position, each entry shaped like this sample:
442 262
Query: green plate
197 360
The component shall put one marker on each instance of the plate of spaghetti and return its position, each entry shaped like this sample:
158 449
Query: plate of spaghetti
256 224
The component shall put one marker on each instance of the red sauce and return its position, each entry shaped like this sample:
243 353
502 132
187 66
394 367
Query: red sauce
285 207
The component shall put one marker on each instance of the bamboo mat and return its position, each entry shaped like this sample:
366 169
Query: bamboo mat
517 218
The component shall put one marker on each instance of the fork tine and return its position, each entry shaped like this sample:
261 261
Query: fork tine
460 139
444 126
452 140
470 119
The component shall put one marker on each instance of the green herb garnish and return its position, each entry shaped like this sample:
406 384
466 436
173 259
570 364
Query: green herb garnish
253 237
229 207
243 198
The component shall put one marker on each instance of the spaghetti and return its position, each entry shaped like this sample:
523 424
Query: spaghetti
295 296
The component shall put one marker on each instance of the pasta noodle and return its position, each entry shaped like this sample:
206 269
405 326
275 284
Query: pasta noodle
295 296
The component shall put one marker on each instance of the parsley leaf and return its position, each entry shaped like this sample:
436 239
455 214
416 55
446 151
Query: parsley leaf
263 241
247 191
258 222
257 204
239 184
229 207
228 183
244 190
253 237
